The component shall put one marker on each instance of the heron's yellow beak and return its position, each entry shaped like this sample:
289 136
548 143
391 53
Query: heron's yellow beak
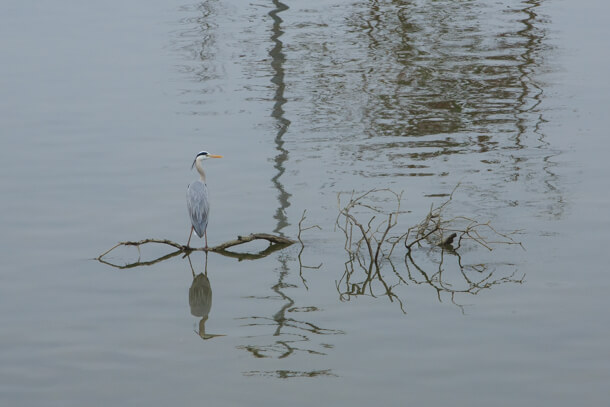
214 156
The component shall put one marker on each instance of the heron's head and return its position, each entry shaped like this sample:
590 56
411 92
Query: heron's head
203 155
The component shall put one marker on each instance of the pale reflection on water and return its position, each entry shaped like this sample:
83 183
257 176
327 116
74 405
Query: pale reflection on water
411 89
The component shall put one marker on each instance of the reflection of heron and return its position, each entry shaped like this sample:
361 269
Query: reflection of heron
200 298
197 199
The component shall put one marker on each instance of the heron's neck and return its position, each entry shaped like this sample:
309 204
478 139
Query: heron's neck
200 171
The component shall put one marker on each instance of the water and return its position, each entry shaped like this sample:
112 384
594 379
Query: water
104 106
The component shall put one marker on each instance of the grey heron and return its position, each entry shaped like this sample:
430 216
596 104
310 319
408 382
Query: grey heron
197 199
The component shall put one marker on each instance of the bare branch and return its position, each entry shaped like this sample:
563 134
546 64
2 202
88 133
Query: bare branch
276 243
367 240
245 239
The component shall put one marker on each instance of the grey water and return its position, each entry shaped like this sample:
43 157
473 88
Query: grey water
104 105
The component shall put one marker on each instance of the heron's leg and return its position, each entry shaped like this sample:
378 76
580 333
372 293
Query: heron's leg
190 235
206 263
205 233
188 256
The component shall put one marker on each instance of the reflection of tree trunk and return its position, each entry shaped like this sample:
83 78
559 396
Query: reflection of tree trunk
299 330
448 83
277 64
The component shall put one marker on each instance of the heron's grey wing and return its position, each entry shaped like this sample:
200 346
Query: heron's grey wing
198 206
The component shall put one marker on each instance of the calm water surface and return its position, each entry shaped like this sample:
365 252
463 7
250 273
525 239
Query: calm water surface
103 107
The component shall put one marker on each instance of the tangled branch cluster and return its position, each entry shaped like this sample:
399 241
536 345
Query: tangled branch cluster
371 242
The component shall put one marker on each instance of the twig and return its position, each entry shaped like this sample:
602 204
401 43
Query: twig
245 239
141 242
141 263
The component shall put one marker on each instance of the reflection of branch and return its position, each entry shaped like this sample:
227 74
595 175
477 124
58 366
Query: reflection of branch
301 265
285 374
286 347
296 324
355 289
275 243
482 280
254 256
